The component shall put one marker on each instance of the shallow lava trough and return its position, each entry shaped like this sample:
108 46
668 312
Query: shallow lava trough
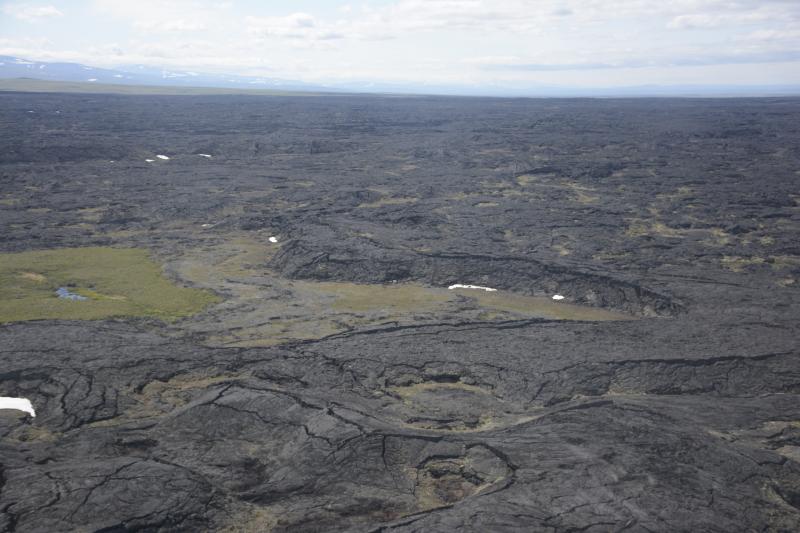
266 338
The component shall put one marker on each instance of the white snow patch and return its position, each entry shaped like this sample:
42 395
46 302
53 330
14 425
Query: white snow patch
18 404
92 79
273 239
557 297
149 160
208 156
42 66
117 75
460 286
165 158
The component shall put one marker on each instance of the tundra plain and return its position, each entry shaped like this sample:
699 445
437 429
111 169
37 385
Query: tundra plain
268 341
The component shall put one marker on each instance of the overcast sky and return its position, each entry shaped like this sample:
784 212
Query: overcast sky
596 43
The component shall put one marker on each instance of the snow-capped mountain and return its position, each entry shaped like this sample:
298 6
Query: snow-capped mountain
15 67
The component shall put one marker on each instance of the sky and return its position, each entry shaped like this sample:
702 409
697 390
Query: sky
513 43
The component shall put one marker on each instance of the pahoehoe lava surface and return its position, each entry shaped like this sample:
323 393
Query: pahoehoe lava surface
296 402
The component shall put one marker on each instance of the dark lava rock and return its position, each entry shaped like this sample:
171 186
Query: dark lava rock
685 419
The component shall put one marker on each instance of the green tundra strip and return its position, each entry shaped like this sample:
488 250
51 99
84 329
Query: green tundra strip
116 282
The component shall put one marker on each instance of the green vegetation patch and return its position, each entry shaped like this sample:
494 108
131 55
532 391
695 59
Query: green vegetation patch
396 200
115 282
542 307
393 299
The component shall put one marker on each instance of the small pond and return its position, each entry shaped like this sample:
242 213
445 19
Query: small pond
65 293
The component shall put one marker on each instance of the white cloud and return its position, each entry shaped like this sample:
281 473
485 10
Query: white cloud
774 35
426 15
157 16
709 14
300 26
31 13
485 61
708 20
175 25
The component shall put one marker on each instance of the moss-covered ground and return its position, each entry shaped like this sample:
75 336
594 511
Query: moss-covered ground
114 281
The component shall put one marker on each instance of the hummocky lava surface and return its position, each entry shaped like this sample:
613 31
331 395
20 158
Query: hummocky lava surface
337 385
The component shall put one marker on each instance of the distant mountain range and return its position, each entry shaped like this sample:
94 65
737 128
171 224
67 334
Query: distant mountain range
140 75
15 67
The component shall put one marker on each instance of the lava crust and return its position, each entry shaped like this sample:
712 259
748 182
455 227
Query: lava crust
325 378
